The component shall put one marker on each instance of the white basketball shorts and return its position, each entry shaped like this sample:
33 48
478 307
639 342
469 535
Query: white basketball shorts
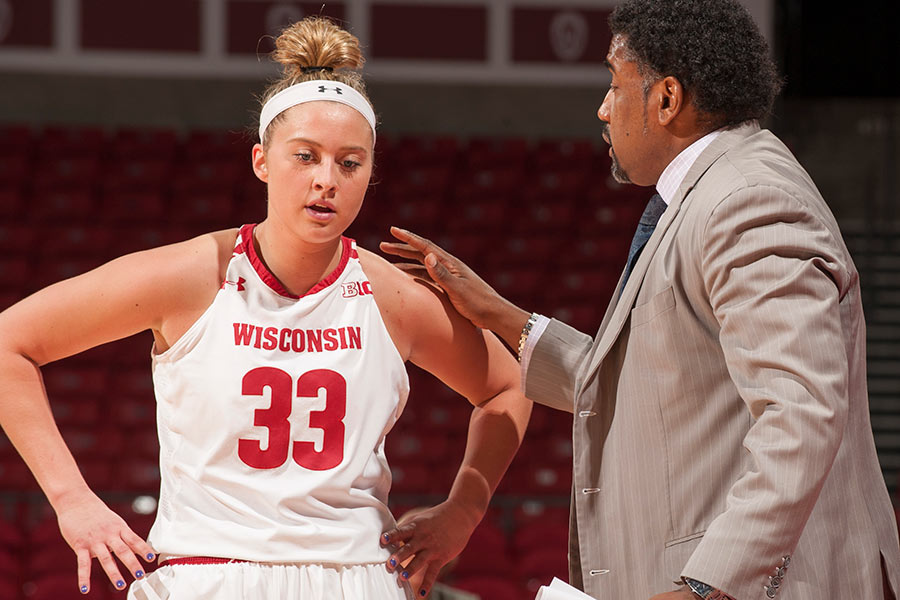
261 581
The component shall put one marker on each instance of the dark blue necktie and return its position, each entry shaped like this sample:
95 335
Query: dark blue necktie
655 208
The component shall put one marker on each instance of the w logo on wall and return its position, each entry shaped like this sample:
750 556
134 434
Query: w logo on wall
569 35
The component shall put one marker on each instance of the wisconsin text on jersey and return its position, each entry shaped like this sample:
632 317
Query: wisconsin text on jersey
297 340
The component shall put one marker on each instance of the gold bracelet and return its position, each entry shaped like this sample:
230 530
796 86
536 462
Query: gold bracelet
525 331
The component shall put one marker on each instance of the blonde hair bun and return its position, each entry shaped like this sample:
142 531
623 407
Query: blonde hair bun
316 42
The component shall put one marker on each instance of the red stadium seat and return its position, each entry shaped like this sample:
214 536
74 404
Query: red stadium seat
410 478
70 142
526 251
218 144
75 240
137 174
94 443
481 151
11 538
532 512
541 566
418 151
539 535
63 204
145 144
137 474
15 273
12 202
64 380
51 270
203 209
14 170
72 411
487 553
16 239
136 384
550 154
412 445
9 588
139 206
16 139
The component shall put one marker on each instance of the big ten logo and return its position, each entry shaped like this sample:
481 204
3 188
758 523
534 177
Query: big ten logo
356 288
6 18
282 15
569 35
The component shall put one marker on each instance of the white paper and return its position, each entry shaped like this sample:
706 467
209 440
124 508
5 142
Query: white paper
560 590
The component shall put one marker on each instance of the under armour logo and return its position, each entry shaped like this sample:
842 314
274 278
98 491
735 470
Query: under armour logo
239 284
336 89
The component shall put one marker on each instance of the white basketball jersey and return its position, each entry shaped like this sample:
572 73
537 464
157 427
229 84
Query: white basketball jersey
272 412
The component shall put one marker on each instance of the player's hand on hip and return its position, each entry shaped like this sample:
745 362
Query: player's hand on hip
427 541
471 296
95 531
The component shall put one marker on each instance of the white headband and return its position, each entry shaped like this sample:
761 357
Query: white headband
311 91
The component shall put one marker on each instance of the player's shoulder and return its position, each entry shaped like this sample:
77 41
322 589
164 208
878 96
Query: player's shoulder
390 284
204 254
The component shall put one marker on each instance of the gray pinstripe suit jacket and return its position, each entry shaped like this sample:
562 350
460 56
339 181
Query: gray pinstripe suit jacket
721 418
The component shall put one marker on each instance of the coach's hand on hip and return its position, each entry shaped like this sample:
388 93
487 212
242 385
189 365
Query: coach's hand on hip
472 297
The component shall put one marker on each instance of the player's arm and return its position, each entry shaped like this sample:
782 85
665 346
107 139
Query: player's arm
475 363
131 294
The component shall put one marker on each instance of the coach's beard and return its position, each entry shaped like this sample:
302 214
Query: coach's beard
616 169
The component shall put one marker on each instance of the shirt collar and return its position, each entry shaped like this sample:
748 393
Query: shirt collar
674 174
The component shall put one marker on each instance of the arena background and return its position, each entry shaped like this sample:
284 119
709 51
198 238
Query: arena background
125 124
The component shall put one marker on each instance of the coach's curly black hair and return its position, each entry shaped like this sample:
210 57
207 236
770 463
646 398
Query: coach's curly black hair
713 48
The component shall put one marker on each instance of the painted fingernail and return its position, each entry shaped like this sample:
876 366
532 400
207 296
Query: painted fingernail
404 575
139 574
422 592
120 584
84 589
151 556
386 537
393 562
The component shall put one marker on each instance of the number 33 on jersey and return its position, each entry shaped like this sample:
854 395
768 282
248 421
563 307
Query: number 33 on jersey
275 418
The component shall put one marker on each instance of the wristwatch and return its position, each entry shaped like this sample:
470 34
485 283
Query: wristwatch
707 592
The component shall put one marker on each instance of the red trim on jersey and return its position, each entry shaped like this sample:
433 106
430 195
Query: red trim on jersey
200 560
347 252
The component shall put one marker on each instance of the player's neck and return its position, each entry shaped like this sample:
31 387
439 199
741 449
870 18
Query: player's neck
298 264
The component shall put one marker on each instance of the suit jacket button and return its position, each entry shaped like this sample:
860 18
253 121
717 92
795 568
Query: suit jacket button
770 592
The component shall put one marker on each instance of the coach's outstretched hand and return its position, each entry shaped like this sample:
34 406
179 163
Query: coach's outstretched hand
95 531
432 538
471 296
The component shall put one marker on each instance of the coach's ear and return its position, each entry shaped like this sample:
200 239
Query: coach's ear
259 163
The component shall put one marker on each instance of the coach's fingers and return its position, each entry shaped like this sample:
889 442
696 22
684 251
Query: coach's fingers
401 250
101 552
414 269
423 245
438 272
84 570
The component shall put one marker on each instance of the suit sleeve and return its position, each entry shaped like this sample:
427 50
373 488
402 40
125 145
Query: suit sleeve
776 276
554 365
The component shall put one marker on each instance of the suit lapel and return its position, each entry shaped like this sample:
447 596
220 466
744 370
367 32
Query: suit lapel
620 308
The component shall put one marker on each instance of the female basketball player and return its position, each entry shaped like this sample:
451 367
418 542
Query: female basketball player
278 366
